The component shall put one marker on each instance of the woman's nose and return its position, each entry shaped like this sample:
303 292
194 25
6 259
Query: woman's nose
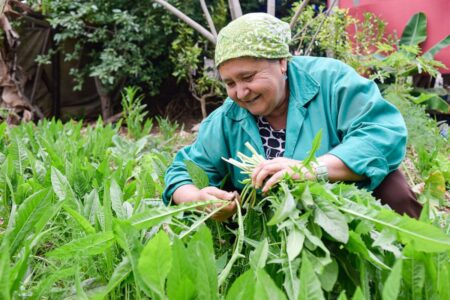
242 91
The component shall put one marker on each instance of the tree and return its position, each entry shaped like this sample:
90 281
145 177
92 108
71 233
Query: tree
203 82
118 41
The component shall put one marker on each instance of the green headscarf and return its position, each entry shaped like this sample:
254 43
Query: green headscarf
255 35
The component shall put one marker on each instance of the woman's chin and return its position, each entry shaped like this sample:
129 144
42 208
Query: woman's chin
255 111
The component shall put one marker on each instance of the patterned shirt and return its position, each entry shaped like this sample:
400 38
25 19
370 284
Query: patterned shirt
273 140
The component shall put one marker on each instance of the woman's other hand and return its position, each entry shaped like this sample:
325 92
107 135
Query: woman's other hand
190 193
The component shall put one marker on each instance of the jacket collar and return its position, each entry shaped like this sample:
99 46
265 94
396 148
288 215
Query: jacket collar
302 89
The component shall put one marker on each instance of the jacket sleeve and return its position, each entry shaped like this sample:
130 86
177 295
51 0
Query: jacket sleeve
207 152
372 131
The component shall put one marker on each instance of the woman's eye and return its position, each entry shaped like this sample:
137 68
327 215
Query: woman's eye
248 78
229 84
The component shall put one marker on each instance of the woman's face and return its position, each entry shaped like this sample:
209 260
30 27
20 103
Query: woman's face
257 85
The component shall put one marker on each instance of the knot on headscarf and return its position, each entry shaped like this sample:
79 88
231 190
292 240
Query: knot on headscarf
255 35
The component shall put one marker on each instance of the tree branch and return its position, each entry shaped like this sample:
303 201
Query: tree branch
235 9
327 13
187 20
297 13
208 18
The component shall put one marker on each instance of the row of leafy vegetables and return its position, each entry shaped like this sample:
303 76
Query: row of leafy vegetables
81 218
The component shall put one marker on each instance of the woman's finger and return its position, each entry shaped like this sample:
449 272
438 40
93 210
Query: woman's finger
275 179
266 169
225 212
220 194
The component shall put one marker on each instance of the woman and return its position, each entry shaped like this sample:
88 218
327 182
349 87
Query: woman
279 103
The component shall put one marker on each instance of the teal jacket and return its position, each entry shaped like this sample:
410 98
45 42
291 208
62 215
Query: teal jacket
358 126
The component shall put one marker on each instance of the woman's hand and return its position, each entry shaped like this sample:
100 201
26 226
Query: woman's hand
273 170
190 193
213 193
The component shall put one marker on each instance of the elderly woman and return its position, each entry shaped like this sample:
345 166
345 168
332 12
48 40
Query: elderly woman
279 103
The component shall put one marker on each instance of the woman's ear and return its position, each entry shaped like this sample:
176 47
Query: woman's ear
283 65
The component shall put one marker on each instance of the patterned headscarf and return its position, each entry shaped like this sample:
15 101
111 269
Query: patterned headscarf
255 35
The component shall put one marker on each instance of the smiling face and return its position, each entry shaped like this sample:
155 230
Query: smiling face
257 85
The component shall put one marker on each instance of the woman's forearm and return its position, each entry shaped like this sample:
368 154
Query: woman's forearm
338 170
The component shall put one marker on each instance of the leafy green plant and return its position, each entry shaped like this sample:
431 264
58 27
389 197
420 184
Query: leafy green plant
314 220
83 218
406 59
134 114
191 66
321 33
167 128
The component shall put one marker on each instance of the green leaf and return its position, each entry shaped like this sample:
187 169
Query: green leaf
331 220
342 296
180 281
243 288
155 216
386 241
329 276
286 207
89 245
29 213
307 198
107 211
128 238
443 275
310 287
316 241
425 237
80 220
258 257
414 272
62 188
438 104
19 154
44 285
117 200
92 208
18 271
423 97
392 284
358 295
266 288
197 174
415 31
201 255
315 146
356 245
81 294
5 269
445 42
155 263
120 273
294 243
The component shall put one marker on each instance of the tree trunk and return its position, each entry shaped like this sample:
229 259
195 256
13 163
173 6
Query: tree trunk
105 99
